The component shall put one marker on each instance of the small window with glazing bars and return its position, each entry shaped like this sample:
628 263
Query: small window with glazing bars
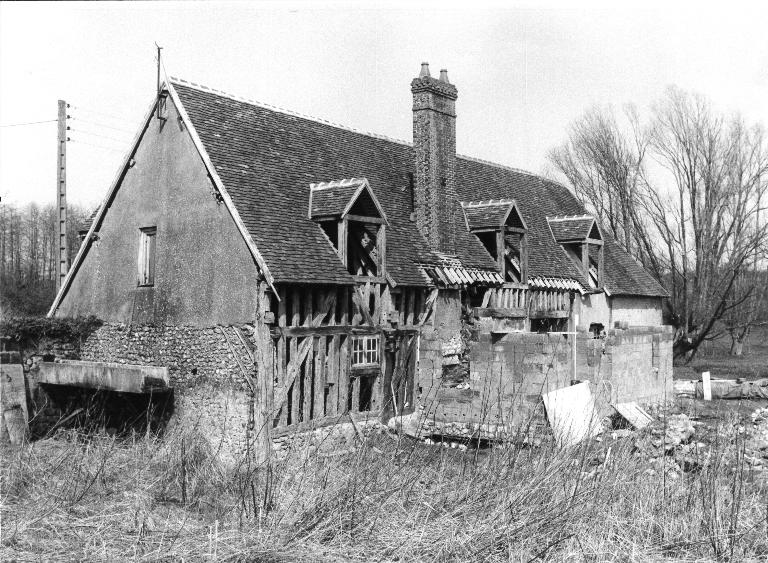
147 256
365 350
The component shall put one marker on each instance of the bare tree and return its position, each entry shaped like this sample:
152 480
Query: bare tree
604 161
28 253
695 219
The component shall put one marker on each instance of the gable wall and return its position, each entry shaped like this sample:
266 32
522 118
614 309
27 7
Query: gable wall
204 273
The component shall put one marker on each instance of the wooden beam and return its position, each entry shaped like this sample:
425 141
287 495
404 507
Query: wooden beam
500 312
359 298
542 314
324 330
364 219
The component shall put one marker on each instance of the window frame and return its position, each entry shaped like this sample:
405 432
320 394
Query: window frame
366 340
146 262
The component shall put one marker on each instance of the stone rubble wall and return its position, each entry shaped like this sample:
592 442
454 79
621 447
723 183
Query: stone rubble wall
212 395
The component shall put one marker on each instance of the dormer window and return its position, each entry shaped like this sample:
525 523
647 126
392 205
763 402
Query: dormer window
501 228
354 222
581 239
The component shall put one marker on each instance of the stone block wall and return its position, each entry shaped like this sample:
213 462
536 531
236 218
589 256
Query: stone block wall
508 373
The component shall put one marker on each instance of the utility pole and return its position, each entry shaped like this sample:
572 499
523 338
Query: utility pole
62 264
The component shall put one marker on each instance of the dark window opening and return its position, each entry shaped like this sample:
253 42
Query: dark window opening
366 393
549 325
331 230
362 249
488 238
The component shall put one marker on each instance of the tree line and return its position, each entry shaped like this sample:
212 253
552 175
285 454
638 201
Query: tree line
684 189
29 248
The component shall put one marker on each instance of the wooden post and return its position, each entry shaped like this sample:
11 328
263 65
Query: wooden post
264 376
706 385
62 264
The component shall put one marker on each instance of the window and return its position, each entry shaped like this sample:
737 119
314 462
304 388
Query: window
147 256
363 251
365 351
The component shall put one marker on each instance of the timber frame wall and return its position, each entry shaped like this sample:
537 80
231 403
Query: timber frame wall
311 331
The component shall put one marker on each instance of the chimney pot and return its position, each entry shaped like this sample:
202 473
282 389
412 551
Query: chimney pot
444 76
424 70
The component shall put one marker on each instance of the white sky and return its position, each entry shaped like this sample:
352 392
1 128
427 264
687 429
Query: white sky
523 72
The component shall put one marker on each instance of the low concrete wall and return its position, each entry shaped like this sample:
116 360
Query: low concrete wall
122 378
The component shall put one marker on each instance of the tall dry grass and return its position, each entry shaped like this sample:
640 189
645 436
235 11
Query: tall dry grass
94 497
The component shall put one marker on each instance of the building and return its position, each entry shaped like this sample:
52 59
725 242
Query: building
287 271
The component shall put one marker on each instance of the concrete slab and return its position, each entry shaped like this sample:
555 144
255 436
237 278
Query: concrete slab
571 413
121 378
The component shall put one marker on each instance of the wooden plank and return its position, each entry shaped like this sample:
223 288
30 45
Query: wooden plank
341 238
309 368
291 381
549 314
293 369
324 330
499 312
320 376
344 369
358 297
428 306
487 297
376 305
381 246
355 395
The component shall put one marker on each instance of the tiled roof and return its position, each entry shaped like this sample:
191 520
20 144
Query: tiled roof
570 228
331 198
267 159
486 214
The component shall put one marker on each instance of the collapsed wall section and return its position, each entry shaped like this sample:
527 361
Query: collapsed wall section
508 373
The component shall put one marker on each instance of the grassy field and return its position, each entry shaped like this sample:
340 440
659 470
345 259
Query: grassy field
92 497
714 357
625 497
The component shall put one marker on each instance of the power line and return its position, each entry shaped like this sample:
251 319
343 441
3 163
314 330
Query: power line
103 147
74 118
29 123
85 132
93 111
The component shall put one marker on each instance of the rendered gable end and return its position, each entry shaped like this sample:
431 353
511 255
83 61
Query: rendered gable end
204 271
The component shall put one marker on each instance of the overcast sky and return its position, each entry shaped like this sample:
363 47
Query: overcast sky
523 72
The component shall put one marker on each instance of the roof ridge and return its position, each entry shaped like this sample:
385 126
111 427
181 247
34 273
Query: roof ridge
238 98
343 183
487 203
570 217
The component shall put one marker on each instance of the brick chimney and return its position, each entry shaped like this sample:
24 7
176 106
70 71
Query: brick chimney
434 143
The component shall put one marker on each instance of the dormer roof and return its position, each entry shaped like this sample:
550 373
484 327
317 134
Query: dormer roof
341 197
574 228
492 214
